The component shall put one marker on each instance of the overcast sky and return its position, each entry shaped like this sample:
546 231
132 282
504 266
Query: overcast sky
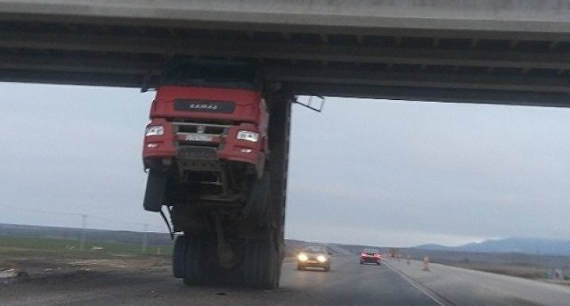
363 171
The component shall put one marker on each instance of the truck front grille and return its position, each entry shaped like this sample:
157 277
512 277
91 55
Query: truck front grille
192 134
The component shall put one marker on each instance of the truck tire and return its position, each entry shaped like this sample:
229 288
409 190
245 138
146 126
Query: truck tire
261 264
195 262
278 132
178 256
155 188
257 210
262 259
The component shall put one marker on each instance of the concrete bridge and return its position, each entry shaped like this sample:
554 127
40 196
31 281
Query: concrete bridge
479 51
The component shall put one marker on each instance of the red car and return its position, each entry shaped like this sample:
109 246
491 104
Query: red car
370 256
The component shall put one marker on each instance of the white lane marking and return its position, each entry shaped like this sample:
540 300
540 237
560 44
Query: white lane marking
418 286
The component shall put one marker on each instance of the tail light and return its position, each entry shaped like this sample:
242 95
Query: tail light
363 254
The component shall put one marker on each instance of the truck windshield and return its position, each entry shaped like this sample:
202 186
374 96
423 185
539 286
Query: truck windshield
210 73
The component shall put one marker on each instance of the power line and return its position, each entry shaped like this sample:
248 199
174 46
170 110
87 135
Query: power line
83 232
145 239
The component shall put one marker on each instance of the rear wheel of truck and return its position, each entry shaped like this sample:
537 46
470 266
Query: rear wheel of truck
195 262
261 264
263 257
155 188
178 256
277 165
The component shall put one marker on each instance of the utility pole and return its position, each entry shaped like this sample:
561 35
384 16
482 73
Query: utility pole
145 238
83 232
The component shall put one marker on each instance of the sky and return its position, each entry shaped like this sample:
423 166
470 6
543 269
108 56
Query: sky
363 171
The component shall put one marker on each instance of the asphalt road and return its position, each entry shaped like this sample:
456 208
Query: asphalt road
348 283
457 286
149 282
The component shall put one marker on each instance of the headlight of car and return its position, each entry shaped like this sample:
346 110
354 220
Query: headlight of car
321 258
155 130
302 257
248 136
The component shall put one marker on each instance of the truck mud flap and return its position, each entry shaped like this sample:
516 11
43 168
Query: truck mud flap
155 188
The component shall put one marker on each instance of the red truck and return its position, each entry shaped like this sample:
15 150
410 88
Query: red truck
204 132
206 149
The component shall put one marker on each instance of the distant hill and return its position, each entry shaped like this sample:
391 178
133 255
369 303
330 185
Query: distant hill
109 236
356 248
535 246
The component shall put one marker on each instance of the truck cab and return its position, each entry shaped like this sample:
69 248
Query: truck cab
202 128
205 134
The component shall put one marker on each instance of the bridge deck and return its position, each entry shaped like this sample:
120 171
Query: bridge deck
508 52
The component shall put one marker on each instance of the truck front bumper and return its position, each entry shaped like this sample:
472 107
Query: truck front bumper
173 145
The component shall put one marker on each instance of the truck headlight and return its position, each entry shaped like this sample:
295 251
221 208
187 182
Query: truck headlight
248 136
321 258
302 257
155 130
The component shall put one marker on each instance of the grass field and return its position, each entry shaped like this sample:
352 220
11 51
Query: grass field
525 271
521 267
13 247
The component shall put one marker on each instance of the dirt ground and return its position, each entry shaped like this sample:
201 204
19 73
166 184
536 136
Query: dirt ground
36 267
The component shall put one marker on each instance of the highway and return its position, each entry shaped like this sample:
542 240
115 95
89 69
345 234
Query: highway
348 283
457 286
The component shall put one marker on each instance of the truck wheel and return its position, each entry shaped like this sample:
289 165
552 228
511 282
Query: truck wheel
257 211
155 188
261 264
279 131
178 256
195 265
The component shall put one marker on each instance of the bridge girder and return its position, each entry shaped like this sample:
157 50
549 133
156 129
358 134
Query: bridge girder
530 66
